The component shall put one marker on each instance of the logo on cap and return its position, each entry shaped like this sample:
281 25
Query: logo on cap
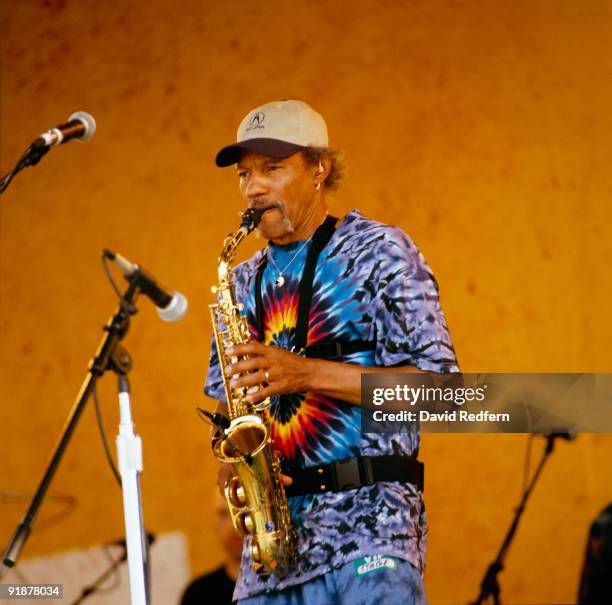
256 121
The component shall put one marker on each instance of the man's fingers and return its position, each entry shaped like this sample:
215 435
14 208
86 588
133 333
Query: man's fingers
248 380
259 395
246 349
287 480
246 365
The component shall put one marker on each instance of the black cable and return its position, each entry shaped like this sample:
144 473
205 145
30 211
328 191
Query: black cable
114 284
7 178
103 436
30 157
527 462
67 501
95 586
117 575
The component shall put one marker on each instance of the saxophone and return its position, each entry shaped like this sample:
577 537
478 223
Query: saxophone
255 494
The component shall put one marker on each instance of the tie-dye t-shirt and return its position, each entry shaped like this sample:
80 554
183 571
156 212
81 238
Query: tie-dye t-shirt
371 283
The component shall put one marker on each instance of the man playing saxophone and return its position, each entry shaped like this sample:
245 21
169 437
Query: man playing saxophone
327 299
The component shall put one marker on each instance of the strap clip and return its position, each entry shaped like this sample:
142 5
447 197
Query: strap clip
352 473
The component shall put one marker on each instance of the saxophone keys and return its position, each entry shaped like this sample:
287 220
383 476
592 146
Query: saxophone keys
247 524
236 493
241 495
255 554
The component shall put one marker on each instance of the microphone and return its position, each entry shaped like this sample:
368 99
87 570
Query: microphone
80 126
171 306
219 420
570 436
552 437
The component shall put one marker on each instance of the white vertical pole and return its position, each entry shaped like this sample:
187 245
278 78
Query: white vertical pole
129 454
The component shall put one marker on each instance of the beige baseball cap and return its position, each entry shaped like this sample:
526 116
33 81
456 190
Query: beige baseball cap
278 129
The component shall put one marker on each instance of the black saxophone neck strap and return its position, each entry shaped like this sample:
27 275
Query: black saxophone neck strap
258 304
320 238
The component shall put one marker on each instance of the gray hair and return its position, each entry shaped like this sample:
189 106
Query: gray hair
313 155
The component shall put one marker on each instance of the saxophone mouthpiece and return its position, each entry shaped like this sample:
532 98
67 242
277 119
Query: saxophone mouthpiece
251 217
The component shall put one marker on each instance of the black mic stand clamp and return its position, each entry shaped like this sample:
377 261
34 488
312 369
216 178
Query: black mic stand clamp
33 154
110 355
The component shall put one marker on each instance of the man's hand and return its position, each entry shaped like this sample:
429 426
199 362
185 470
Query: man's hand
226 472
279 371
291 373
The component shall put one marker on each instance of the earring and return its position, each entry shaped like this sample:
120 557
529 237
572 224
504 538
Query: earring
317 186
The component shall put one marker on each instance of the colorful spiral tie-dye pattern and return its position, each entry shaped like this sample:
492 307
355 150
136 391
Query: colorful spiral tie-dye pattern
371 283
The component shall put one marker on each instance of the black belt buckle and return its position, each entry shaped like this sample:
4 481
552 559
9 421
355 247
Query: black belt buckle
352 473
346 474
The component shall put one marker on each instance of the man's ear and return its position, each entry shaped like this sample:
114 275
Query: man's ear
322 169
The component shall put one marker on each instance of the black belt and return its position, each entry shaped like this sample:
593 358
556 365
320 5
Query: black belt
336 350
355 472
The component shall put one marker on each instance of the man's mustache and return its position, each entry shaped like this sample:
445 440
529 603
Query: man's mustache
264 204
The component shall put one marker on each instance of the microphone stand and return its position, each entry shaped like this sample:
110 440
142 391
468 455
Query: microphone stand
110 355
490 584
129 455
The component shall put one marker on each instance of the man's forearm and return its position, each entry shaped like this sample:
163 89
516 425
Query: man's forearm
343 380
285 372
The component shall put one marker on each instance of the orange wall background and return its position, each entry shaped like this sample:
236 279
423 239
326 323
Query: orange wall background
483 129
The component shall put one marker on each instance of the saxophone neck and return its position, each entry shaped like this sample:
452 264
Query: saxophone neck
223 270
250 219
226 258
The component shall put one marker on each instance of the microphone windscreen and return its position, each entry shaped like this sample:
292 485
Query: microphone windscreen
175 310
88 120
